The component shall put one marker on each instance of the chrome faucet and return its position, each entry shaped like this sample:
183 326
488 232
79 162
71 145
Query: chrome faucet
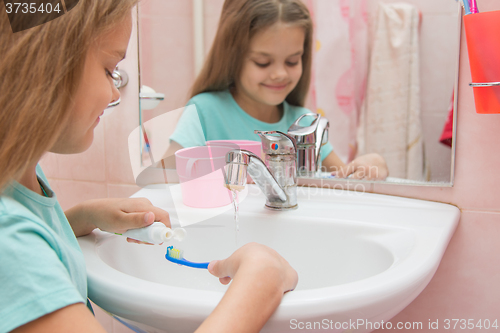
309 140
277 177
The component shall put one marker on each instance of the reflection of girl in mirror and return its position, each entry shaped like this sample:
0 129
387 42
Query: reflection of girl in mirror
56 83
257 77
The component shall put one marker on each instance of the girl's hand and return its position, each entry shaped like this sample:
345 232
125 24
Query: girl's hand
254 259
114 215
260 277
366 167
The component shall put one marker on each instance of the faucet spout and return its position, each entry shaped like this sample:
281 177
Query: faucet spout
239 162
278 196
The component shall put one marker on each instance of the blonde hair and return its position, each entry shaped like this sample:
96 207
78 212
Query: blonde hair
40 70
240 21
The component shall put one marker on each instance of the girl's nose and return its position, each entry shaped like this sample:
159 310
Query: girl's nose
115 94
279 73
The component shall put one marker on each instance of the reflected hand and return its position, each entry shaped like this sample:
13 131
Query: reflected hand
366 167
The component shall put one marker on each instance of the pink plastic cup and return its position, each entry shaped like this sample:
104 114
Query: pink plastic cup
200 171
253 146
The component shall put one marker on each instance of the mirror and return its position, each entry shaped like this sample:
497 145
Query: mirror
394 101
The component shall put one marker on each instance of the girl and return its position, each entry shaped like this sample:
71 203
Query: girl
256 77
56 83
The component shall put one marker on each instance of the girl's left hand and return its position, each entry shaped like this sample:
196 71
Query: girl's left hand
366 167
114 215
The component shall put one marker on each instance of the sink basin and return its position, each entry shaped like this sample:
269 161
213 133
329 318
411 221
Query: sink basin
360 258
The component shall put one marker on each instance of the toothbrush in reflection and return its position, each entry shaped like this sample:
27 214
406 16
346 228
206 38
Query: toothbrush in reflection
466 6
176 256
473 7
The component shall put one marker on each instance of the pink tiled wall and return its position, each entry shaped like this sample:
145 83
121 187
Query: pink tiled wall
466 285
167 49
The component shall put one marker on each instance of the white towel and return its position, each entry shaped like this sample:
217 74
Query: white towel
390 123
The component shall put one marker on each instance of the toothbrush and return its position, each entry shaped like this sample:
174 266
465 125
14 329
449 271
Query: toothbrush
466 6
473 7
176 256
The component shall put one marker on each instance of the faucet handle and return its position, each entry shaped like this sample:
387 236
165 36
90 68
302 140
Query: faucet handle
310 134
316 134
277 143
303 133
323 129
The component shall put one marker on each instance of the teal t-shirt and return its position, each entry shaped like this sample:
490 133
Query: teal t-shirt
217 116
42 266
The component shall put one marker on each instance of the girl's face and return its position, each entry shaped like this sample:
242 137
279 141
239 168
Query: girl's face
273 66
96 89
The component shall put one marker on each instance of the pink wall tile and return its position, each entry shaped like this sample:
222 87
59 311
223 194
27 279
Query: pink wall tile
118 168
466 282
166 32
438 50
121 191
213 8
439 155
167 9
432 7
70 193
175 56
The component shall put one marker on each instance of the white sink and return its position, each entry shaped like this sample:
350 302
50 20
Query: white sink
360 258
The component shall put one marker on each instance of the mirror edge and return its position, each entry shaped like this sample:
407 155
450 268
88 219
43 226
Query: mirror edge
455 98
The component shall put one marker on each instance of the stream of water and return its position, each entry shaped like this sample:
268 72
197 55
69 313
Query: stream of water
236 215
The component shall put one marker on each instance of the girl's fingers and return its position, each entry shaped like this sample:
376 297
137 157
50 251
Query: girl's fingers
225 280
138 220
131 240
160 216
343 172
216 268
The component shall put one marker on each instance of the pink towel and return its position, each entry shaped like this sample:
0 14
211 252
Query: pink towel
447 135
